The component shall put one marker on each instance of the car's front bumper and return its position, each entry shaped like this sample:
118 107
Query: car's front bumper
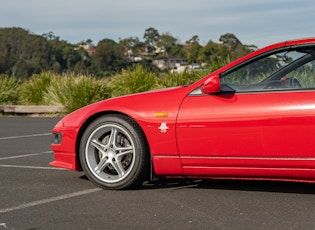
63 144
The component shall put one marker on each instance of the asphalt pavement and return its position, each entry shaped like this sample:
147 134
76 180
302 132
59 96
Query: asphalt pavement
35 195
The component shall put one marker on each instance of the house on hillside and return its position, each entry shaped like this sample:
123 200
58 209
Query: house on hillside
188 68
89 48
166 63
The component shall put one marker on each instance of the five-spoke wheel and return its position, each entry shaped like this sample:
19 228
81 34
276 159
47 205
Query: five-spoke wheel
114 153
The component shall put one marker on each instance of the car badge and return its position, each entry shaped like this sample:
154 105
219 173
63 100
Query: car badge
163 127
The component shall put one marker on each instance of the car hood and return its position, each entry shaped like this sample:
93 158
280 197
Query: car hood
137 106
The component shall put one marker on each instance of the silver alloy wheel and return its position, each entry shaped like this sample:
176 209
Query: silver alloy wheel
110 153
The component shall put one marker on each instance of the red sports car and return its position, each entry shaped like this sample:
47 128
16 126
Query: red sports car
252 119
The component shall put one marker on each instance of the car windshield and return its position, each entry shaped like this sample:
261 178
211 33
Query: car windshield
269 72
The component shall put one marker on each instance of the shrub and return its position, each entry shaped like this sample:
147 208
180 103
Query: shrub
33 90
132 80
176 79
9 90
74 92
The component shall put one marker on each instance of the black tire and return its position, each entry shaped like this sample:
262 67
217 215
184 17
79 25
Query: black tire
114 153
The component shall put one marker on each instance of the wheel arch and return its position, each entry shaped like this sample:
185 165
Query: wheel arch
94 117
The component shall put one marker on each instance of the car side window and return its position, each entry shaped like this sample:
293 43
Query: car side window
305 75
283 70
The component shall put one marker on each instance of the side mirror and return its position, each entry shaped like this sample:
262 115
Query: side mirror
211 85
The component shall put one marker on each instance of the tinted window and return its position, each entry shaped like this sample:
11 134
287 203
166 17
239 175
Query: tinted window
283 70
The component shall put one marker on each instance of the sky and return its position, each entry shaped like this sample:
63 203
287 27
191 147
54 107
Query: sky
259 23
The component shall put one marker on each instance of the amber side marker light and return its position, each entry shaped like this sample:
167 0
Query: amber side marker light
161 114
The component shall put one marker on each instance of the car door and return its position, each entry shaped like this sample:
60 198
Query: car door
261 124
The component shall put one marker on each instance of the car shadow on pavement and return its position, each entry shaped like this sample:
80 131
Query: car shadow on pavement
241 185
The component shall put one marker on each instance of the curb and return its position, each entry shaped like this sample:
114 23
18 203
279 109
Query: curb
28 109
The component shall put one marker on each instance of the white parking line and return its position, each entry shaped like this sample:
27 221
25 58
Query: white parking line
25 155
49 200
30 167
24 136
27 167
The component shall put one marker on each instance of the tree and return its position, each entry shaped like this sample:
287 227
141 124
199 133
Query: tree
22 53
192 49
151 36
230 39
49 36
232 47
214 54
108 57
67 57
131 46
166 41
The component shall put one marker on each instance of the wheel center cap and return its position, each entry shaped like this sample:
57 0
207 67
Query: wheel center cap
111 154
